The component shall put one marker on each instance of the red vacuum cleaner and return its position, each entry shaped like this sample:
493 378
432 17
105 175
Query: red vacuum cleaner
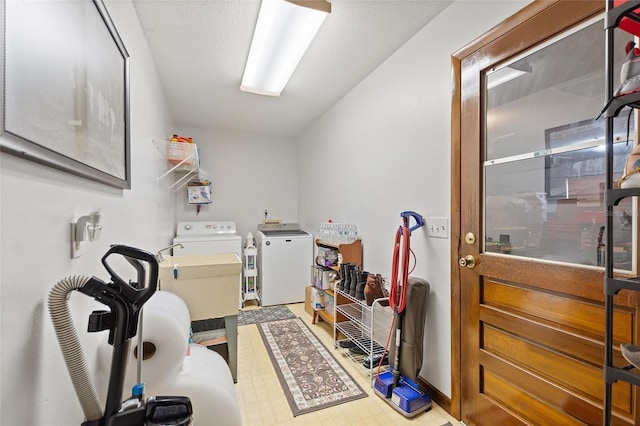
398 386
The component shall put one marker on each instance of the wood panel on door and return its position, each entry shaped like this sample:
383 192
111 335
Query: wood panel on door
530 331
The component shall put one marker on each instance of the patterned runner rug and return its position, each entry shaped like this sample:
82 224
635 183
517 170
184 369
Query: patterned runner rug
310 376
268 313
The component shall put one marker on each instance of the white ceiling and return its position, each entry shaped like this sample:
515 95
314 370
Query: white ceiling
200 49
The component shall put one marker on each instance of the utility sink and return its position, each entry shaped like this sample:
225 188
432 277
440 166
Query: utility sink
202 265
209 284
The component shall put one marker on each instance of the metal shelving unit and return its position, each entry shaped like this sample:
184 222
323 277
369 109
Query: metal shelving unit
612 284
249 275
366 326
182 157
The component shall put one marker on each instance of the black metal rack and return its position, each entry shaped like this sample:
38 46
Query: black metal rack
612 285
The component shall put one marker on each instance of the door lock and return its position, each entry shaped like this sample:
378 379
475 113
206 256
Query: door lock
470 238
467 261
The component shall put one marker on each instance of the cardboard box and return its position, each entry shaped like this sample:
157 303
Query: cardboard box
307 300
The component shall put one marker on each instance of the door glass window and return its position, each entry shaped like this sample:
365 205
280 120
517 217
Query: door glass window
544 168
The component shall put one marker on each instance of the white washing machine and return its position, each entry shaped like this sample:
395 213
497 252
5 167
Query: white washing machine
207 238
285 253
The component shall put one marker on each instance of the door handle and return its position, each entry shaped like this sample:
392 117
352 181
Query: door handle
468 261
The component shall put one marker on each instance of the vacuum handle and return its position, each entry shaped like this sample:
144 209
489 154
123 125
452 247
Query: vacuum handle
410 214
141 280
133 255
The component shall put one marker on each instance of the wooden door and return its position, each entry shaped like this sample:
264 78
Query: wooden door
530 330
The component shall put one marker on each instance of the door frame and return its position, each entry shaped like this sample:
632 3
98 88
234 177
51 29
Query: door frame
579 11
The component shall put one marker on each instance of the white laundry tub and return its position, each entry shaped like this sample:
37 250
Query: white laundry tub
207 283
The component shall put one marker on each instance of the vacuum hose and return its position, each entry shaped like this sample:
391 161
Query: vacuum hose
70 345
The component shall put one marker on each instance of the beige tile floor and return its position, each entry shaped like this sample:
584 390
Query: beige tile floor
262 400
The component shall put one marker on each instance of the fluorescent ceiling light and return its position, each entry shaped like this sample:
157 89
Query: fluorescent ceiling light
502 76
283 33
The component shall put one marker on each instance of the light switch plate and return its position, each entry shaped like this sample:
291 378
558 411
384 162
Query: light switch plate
438 227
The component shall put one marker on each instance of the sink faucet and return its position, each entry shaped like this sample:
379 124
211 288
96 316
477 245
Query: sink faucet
159 254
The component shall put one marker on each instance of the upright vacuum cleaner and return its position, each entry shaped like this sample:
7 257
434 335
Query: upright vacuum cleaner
125 301
408 299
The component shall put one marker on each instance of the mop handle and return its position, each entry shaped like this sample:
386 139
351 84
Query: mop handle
138 388
140 349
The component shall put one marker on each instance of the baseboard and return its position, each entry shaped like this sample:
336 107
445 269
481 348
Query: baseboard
436 396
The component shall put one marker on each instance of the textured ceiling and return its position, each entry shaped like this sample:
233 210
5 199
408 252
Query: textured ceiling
200 49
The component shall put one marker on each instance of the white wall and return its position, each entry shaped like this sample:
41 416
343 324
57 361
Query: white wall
385 148
250 173
37 205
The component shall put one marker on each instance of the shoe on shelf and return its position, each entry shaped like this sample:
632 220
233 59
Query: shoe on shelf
347 279
346 344
630 72
355 350
631 353
376 360
362 282
344 277
354 280
374 288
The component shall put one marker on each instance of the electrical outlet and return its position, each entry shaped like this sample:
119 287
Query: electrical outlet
438 227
